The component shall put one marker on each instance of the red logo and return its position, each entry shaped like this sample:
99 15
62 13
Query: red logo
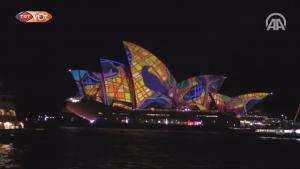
24 16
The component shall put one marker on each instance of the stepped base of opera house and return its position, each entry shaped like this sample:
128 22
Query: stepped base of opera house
98 115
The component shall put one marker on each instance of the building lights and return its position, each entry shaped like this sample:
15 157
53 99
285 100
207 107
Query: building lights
21 124
166 121
288 131
198 123
74 100
8 125
126 120
92 121
297 131
46 118
190 123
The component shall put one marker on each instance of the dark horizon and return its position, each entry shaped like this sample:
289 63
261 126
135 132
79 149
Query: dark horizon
191 38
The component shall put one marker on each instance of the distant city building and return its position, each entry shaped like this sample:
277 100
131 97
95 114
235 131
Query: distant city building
8 118
147 84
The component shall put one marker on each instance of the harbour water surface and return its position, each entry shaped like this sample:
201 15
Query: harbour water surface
90 148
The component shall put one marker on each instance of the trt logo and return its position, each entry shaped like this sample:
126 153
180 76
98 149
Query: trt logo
24 17
276 22
33 16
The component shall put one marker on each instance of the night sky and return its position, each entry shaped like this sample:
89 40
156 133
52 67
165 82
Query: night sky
191 37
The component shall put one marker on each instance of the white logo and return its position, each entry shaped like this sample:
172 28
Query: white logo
275 22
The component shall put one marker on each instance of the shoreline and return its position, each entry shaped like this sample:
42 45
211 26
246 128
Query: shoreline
237 132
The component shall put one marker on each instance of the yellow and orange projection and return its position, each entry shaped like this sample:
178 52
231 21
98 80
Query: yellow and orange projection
117 88
138 58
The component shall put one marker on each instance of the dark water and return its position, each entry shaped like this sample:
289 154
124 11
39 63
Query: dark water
76 148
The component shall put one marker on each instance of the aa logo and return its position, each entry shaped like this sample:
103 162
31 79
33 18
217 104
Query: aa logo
276 22
33 16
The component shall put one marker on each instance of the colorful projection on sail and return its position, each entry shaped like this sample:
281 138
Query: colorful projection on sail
116 82
194 91
239 104
148 83
151 78
89 84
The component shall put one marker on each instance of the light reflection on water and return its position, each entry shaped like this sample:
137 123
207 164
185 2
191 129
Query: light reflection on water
6 156
280 138
138 149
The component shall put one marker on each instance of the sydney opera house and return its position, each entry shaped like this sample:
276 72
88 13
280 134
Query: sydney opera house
146 84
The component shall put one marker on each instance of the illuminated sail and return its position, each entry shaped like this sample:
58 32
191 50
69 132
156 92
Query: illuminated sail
212 84
194 91
239 104
152 80
77 76
251 99
226 103
116 83
89 84
188 90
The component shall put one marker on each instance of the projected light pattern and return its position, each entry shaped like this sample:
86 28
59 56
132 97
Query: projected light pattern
149 84
239 104
258 95
193 91
116 82
89 84
212 84
151 77
93 86
77 76
226 103
251 99
121 105
188 90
